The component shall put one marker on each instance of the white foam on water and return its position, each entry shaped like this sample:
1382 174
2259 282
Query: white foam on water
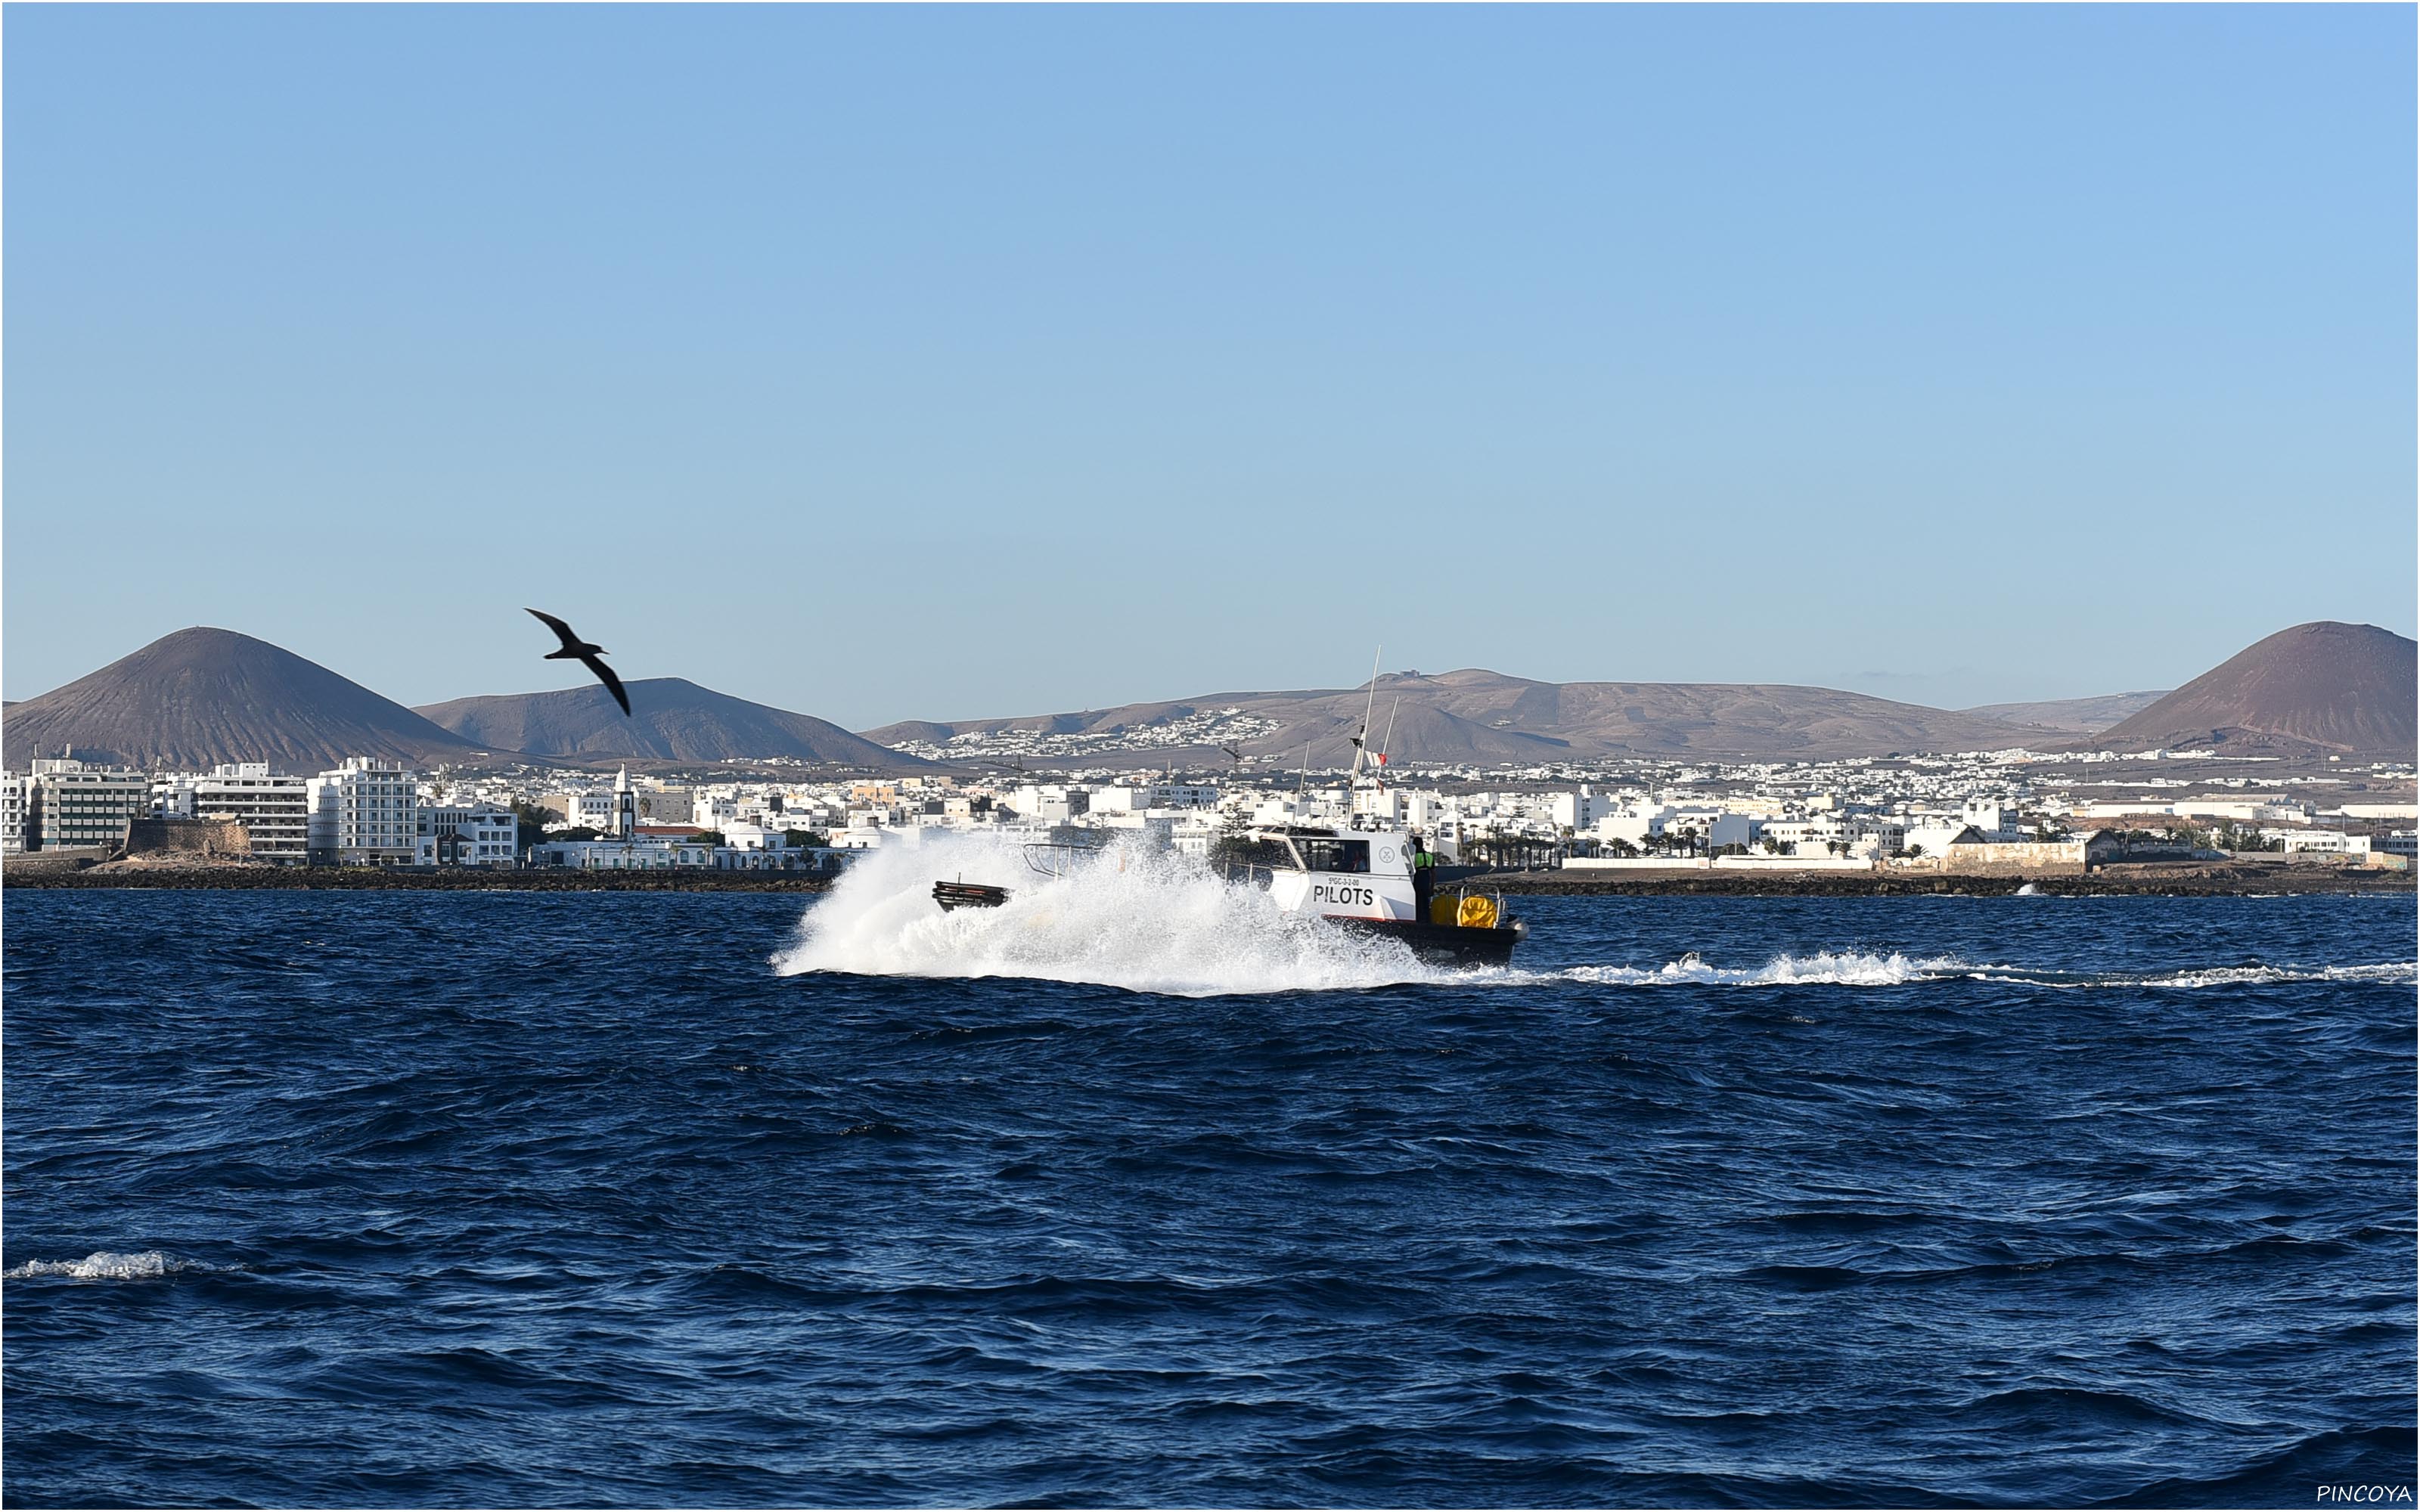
1824 967
101 1265
1140 920
1858 969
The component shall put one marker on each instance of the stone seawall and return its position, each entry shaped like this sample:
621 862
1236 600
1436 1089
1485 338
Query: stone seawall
373 879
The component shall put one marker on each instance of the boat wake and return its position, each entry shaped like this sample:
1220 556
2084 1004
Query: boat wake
2244 976
1136 920
1822 969
1859 969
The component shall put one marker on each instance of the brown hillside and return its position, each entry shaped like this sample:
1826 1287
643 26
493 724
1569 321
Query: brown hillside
199 697
1485 717
2325 685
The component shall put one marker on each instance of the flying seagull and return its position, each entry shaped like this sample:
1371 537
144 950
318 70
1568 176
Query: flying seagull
592 658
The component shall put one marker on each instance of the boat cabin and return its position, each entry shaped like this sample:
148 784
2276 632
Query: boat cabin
1338 873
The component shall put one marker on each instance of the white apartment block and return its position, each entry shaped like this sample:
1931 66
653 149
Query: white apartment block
73 804
1054 802
1713 829
1385 804
1135 797
362 814
590 810
12 814
274 810
465 834
1578 812
1996 821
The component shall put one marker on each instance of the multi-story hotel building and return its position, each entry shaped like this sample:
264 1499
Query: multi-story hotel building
364 813
274 810
71 803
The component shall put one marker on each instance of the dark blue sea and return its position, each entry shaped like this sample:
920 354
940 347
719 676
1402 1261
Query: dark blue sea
513 1198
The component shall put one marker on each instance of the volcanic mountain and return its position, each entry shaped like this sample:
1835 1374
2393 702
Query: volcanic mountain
1485 717
670 719
199 697
2321 687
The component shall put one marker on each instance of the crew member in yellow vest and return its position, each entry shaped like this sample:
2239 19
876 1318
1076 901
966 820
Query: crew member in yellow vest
1423 877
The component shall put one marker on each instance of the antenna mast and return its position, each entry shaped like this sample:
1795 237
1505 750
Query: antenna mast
1360 737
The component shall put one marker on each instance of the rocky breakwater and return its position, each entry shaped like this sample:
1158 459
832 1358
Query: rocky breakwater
30 873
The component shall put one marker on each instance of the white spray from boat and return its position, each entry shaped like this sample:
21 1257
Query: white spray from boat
1144 921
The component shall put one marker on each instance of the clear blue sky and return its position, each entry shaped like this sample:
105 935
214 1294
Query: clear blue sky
930 361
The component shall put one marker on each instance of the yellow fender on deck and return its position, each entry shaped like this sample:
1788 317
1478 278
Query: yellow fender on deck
1478 912
1441 911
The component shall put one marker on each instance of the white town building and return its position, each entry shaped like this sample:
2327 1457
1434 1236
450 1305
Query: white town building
274 810
465 834
69 803
362 814
12 814
2318 841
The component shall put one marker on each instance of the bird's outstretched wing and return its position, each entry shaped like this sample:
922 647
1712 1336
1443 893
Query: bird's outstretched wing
558 628
612 684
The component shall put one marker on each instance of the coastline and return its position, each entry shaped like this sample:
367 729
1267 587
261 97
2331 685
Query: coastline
382 879
2141 881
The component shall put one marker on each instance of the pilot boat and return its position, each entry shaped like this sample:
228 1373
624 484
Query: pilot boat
1358 876
1362 878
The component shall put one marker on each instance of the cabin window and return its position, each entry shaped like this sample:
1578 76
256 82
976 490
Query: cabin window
1334 854
1263 852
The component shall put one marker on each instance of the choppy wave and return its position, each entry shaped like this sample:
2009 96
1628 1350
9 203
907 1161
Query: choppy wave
1815 1218
101 1265
1132 919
